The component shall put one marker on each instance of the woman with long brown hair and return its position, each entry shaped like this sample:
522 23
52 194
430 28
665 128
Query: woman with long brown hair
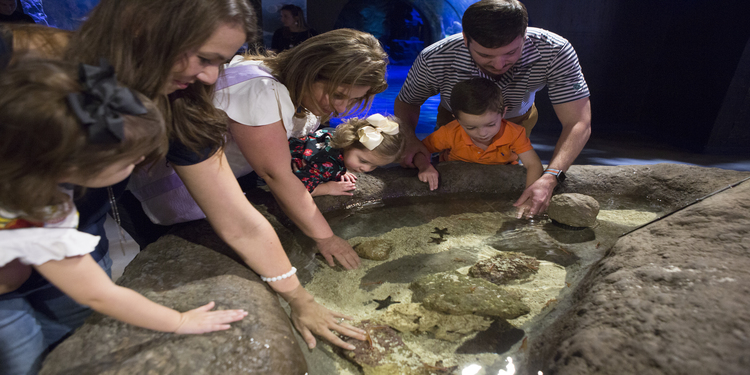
173 52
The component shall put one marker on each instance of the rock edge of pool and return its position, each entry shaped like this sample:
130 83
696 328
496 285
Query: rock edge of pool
672 297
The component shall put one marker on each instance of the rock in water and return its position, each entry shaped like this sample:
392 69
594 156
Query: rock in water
412 317
457 294
377 249
505 267
575 210
383 353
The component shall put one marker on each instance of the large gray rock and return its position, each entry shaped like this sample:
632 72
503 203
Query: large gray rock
458 294
573 209
184 275
670 298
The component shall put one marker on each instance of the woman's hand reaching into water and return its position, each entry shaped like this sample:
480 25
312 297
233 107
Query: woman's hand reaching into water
310 317
337 247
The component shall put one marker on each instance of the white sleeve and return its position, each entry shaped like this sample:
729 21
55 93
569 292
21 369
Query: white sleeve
257 102
35 246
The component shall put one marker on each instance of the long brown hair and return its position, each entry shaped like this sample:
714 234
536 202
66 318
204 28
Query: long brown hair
36 41
144 39
338 57
42 141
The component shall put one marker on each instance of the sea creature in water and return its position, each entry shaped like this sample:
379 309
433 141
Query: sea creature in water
384 303
441 232
437 240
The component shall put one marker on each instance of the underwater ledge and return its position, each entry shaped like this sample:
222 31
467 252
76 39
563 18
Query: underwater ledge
671 297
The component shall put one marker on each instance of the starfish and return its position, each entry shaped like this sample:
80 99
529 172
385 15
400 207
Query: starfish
437 240
441 232
384 303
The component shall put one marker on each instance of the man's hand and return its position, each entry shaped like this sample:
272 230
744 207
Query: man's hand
337 247
413 147
537 196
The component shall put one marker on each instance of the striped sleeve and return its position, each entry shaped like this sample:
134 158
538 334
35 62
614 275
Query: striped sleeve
420 83
565 78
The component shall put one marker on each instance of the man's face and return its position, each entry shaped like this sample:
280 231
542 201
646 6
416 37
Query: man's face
495 61
7 7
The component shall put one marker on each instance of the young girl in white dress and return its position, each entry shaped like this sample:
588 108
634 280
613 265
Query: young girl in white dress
64 128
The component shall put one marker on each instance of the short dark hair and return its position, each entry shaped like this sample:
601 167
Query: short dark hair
476 96
495 23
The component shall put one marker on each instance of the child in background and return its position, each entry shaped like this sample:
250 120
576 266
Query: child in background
479 135
64 126
324 162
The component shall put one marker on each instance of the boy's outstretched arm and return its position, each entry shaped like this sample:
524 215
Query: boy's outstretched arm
427 173
83 280
534 170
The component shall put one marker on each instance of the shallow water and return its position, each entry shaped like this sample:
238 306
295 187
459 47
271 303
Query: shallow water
452 234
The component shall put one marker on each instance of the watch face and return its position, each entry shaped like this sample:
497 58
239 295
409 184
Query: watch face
561 177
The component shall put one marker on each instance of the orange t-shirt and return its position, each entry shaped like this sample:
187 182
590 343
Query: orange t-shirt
506 145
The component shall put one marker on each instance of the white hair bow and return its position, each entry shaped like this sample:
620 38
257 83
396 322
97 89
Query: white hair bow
371 136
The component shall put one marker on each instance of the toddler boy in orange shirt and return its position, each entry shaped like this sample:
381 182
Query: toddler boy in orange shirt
479 135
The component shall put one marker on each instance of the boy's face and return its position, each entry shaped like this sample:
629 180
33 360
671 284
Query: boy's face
481 128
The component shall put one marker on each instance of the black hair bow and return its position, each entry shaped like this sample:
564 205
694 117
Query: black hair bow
102 103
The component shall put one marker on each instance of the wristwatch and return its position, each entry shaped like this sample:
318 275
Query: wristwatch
558 173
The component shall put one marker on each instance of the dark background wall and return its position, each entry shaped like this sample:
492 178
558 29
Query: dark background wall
672 70
677 71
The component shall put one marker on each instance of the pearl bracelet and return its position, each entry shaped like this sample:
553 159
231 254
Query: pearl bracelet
282 277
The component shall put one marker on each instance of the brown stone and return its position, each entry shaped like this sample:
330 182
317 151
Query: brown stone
505 267
573 209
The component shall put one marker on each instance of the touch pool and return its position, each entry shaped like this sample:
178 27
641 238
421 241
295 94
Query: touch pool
443 238
671 297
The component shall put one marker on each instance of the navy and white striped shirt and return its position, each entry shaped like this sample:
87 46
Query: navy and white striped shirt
547 59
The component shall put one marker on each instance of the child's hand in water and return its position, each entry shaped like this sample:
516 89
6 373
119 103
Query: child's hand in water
430 176
202 320
334 188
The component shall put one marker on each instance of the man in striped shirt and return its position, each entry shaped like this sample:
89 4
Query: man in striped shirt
498 44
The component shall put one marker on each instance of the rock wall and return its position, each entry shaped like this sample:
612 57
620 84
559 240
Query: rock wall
667 298
670 298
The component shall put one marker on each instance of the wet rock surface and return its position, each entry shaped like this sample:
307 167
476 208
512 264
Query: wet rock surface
670 298
458 294
184 275
383 353
573 209
505 267
376 249
498 338
411 267
412 317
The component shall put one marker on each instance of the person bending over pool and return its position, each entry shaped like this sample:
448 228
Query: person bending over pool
324 162
480 135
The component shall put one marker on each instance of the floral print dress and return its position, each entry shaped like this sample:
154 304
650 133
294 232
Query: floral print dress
314 161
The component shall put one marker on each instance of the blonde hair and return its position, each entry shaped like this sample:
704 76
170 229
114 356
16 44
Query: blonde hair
346 136
338 57
42 141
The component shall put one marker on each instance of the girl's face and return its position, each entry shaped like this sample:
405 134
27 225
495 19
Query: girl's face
287 18
363 161
342 100
203 64
110 175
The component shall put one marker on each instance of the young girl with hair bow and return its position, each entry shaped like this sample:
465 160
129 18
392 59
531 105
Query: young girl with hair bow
65 128
324 162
